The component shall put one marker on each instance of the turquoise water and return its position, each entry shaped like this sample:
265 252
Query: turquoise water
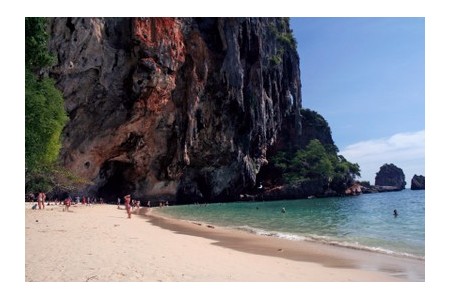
364 222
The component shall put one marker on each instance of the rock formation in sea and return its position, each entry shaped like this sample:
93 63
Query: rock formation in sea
390 175
418 182
175 108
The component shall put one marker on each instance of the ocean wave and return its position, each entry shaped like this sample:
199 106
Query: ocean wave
258 231
333 241
358 246
326 240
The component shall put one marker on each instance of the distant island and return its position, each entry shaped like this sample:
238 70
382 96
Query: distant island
391 178
418 182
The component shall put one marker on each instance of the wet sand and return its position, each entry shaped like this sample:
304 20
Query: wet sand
402 268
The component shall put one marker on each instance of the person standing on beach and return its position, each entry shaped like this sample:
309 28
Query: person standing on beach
67 203
41 200
127 199
118 202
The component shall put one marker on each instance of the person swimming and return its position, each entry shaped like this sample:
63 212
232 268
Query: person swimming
395 213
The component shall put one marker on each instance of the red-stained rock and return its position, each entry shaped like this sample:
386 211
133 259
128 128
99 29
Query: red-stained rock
353 190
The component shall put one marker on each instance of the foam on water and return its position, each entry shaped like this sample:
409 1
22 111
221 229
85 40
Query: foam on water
325 240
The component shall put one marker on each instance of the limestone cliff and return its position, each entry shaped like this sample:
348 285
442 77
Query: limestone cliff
418 182
390 175
314 126
183 108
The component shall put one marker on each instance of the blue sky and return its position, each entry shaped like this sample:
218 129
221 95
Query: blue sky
366 77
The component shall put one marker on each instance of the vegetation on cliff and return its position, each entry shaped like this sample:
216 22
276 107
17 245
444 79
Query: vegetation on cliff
313 160
285 37
45 116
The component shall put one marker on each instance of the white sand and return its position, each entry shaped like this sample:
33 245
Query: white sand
99 243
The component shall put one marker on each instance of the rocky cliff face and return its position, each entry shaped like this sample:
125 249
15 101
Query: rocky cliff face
184 108
418 182
314 126
390 175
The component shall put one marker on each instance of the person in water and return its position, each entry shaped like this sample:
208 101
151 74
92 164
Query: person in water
283 210
395 213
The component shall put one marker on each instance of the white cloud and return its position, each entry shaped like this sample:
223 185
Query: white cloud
405 150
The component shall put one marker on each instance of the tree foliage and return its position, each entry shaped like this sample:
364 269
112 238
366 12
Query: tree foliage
53 178
45 115
36 39
315 162
45 118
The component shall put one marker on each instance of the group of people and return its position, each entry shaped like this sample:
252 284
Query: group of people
67 201
40 197
131 204
162 203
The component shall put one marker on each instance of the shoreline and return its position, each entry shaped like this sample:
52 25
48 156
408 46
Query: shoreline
297 238
328 255
99 243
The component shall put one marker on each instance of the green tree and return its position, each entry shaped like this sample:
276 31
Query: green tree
313 162
45 116
36 39
316 162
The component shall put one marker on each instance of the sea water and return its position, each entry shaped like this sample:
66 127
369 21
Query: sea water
364 222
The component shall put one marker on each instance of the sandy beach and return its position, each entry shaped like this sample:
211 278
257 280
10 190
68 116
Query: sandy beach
99 243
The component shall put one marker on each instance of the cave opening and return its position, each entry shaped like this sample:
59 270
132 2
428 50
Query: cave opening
117 179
